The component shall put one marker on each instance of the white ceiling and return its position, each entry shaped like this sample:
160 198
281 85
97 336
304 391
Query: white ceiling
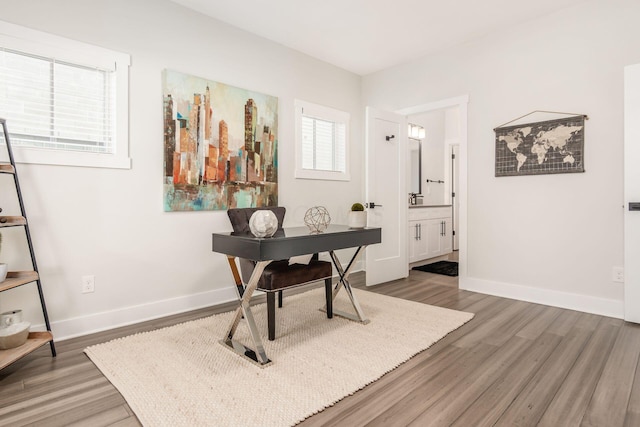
365 36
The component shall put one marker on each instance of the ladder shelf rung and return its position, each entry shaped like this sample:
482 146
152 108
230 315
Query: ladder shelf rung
34 342
7 168
12 221
18 278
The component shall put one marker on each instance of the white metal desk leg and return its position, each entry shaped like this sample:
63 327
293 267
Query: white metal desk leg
258 355
344 282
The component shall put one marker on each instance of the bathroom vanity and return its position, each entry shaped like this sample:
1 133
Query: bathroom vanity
430 231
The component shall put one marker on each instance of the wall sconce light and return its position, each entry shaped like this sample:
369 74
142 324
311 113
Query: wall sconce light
416 131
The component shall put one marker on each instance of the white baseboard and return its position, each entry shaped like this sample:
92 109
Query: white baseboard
78 326
98 322
71 328
585 303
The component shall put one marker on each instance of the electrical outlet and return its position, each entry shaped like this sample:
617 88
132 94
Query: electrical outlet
88 284
618 274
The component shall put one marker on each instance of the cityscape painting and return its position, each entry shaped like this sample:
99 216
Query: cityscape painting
220 145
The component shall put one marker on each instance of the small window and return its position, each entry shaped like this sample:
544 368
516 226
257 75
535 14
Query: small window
65 102
322 149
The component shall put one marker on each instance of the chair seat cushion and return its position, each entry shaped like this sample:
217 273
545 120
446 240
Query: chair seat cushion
279 274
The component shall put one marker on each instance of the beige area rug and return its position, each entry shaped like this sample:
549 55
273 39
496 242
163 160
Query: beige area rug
182 376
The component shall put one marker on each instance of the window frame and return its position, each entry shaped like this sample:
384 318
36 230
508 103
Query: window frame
308 109
47 45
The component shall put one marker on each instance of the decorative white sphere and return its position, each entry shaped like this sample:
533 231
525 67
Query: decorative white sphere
263 223
317 219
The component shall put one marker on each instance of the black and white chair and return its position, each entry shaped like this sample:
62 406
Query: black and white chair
279 274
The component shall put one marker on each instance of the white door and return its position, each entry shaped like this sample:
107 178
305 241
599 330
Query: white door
631 193
386 188
455 150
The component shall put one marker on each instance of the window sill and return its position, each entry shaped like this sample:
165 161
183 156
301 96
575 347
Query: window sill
322 175
69 158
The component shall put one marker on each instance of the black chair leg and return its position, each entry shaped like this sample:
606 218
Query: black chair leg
279 299
328 290
271 315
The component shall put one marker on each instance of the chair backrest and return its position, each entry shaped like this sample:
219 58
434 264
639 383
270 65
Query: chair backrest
239 217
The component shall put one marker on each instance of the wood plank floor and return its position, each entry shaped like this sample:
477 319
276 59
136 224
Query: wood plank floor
514 364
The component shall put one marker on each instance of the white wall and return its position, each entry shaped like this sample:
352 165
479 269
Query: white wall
548 238
551 238
110 223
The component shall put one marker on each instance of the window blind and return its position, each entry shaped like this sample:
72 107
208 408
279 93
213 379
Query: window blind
57 105
323 144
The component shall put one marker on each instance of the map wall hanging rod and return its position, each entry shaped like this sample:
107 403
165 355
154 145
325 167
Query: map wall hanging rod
541 111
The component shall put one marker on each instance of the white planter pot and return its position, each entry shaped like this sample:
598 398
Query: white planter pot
357 219
3 271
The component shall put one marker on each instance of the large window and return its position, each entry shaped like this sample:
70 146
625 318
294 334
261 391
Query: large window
65 102
322 150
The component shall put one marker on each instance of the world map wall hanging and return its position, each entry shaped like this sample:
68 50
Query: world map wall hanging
220 145
547 147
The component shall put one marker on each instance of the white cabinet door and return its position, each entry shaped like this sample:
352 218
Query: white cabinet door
447 238
413 240
433 236
418 241
439 237
422 248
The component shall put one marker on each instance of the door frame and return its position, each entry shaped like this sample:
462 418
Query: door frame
452 172
462 103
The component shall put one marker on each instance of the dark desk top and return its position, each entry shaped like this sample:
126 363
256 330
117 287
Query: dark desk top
288 242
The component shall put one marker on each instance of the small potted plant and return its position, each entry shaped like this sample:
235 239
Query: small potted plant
3 267
357 216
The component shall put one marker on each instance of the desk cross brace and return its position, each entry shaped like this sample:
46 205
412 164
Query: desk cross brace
344 283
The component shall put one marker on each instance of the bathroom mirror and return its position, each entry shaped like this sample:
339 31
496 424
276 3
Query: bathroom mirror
415 166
